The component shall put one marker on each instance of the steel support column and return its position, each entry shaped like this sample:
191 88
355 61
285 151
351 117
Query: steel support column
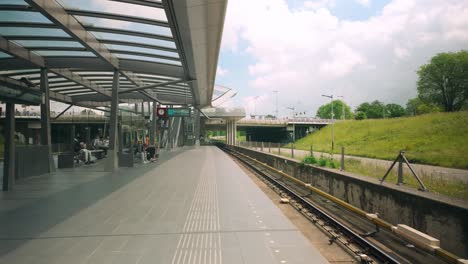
45 118
9 151
196 129
227 132
112 158
234 134
153 123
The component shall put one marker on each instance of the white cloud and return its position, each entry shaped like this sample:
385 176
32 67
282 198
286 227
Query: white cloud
306 51
220 71
365 3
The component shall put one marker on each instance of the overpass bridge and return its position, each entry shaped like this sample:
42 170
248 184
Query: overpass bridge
275 130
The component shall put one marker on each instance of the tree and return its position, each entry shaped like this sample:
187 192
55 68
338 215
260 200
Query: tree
324 111
376 109
417 107
444 81
395 110
360 115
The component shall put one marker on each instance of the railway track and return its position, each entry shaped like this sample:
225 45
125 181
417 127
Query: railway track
361 237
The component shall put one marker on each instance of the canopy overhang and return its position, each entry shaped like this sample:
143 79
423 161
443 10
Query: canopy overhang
175 53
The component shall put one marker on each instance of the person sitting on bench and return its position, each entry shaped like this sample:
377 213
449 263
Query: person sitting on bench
86 154
152 154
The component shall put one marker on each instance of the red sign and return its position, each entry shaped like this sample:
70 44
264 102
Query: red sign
161 112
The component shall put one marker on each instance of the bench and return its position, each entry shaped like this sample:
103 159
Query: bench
98 153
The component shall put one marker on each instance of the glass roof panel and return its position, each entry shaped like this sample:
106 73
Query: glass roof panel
54 53
69 87
23 16
17 71
4 55
19 31
84 93
143 58
74 91
155 76
144 50
122 37
13 2
46 43
118 8
119 24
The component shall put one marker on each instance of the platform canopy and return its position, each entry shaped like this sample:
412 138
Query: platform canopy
164 50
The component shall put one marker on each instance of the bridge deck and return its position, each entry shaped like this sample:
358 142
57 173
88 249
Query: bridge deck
194 206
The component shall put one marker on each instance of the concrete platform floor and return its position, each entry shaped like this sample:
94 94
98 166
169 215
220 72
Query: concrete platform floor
192 206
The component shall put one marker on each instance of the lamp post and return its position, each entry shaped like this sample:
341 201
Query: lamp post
332 128
255 106
276 92
294 127
342 108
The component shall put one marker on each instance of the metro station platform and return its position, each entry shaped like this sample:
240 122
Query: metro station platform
192 206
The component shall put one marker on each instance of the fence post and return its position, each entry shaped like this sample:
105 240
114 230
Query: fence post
400 168
292 150
311 151
269 147
342 159
262 147
279 148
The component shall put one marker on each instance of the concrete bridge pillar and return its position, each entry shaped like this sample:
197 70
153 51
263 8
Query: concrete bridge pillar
231 130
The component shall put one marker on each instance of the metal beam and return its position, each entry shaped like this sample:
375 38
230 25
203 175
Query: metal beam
134 19
27 24
141 2
67 74
12 83
133 78
151 86
57 14
128 32
137 44
144 54
20 52
63 112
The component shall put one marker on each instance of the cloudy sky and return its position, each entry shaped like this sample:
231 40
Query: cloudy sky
360 49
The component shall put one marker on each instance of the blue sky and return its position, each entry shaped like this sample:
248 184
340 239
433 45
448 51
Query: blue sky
364 50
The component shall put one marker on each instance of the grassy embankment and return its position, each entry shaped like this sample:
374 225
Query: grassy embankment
438 139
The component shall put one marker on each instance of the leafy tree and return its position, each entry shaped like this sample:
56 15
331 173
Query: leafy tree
444 81
324 111
395 110
360 115
417 107
376 109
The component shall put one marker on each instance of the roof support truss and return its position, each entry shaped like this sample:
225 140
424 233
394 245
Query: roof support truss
57 14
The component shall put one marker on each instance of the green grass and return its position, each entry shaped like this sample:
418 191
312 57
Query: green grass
437 139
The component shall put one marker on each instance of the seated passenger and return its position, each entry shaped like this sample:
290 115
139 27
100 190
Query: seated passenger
152 153
85 154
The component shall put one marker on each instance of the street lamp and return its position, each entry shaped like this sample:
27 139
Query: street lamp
276 92
255 106
342 108
294 127
332 120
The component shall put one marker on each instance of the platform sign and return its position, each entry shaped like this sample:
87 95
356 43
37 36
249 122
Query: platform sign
178 112
161 112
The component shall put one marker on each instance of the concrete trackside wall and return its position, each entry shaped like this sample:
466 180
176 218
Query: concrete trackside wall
438 216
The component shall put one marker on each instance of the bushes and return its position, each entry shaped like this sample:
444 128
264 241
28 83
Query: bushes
322 162
309 160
